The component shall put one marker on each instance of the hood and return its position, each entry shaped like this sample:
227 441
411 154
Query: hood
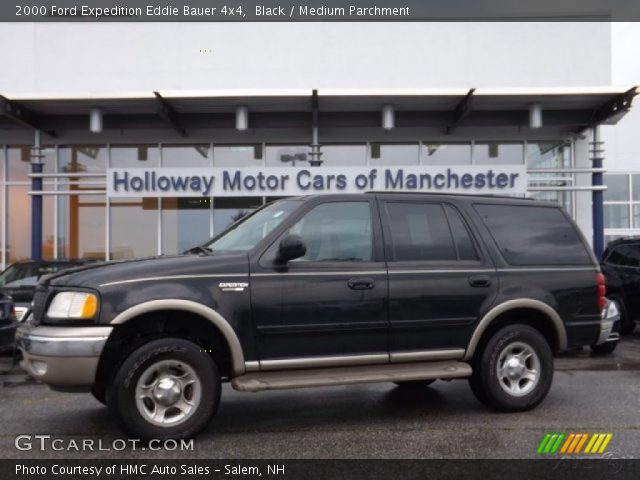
97 275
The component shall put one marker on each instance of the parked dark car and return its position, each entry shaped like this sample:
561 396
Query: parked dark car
621 268
8 322
19 280
325 290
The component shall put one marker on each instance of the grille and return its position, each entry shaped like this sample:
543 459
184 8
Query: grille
39 304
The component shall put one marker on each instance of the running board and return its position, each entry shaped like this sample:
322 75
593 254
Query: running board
323 377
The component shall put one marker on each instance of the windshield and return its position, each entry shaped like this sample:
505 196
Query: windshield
245 234
17 272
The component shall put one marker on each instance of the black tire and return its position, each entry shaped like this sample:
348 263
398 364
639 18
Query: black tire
410 384
491 390
627 325
121 394
99 395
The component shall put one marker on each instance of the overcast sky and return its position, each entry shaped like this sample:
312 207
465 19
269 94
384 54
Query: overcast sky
626 53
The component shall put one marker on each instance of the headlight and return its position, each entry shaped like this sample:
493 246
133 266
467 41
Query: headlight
73 306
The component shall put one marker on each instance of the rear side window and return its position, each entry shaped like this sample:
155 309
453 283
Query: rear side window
424 232
625 255
528 235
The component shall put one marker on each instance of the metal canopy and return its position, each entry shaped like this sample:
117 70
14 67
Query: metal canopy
572 108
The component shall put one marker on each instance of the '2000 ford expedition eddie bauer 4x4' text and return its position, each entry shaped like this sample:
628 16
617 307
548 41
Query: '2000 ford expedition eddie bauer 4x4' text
325 290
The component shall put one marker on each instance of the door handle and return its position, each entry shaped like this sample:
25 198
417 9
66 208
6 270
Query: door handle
480 281
361 283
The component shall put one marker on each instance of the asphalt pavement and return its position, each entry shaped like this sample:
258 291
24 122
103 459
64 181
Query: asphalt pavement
589 394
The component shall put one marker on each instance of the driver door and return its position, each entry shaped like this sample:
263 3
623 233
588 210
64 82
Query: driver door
329 306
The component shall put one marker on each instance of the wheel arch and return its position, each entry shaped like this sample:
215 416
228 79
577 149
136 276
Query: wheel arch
218 321
552 317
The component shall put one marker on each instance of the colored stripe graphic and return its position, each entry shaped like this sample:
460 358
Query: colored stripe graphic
543 443
606 441
565 447
574 443
594 437
581 443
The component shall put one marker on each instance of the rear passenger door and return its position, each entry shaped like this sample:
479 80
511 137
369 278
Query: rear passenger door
439 279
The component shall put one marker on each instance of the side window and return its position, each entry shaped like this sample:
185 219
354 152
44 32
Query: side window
627 255
461 237
616 257
534 235
419 231
337 231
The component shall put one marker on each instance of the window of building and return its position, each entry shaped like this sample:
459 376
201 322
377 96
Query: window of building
617 188
135 156
81 227
445 153
621 205
185 223
549 154
337 231
343 155
616 216
237 155
83 159
498 153
19 162
134 227
179 156
383 154
288 155
534 235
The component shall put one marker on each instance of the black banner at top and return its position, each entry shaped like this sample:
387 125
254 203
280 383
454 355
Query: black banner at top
318 10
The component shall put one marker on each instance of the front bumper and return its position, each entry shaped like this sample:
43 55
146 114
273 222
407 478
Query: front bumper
63 357
610 319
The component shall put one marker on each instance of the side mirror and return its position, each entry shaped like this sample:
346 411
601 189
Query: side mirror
291 247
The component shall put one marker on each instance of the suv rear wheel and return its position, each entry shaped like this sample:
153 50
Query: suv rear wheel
167 388
514 370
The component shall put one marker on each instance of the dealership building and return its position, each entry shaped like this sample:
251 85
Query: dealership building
100 123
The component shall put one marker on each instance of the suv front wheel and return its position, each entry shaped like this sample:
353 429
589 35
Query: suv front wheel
514 370
167 388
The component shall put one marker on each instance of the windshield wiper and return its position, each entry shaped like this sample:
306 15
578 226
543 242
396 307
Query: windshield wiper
200 249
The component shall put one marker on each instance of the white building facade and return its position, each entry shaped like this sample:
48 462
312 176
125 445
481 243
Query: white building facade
59 72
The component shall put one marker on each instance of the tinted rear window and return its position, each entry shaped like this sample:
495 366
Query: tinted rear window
529 235
625 255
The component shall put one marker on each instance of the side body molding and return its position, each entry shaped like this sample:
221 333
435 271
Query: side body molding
237 356
550 313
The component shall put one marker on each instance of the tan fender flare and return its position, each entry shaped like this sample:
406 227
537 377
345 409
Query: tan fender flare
529 303
235 349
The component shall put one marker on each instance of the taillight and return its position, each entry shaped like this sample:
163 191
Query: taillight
602 291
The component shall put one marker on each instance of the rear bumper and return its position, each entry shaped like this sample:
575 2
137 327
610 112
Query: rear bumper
64 357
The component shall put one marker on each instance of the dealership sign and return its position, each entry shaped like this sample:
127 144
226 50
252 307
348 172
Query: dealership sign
283 181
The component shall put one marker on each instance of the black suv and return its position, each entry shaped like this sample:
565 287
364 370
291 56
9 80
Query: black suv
621 268
325 290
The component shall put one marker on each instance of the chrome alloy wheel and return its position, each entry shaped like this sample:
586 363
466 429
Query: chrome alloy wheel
518 369
168 393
